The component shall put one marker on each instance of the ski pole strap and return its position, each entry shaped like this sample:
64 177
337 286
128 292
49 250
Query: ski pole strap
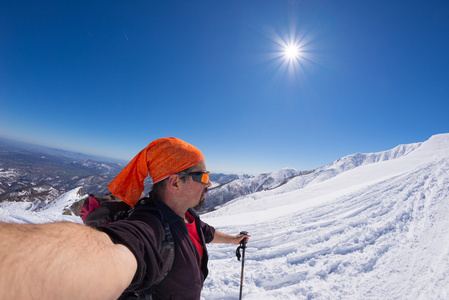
237 252
242 245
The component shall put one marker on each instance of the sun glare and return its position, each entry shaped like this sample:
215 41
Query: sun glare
291 51
291 55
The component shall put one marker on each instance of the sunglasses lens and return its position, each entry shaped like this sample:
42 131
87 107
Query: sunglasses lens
202 177
205 177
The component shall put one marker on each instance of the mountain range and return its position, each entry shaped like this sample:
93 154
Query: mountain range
36 173
30 172
288 179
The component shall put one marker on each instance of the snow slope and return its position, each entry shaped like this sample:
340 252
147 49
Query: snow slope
33 212
378 231
376 227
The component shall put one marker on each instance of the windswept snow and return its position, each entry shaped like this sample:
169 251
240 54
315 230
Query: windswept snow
368 226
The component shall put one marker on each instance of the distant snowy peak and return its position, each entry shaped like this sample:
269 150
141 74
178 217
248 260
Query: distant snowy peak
218 179
274 179
248 185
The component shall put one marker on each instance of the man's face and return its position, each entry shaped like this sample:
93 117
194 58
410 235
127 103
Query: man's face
194 191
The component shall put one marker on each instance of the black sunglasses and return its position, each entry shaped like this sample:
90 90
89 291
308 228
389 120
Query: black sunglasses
202 177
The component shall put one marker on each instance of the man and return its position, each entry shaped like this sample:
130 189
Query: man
71 261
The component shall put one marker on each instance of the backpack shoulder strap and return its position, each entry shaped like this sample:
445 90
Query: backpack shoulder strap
166 245
167 251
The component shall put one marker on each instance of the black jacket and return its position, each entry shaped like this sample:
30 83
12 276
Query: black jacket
141 236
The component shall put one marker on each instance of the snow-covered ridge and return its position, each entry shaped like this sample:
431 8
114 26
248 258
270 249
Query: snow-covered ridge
343 175
348 163
288 179
360 159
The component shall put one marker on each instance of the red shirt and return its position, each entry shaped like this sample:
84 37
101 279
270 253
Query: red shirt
193 233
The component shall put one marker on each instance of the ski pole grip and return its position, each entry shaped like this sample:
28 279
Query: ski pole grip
243 242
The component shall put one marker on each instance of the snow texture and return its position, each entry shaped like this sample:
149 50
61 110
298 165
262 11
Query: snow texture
42 212
368 226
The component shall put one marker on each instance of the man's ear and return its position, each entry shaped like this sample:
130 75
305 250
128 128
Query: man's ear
173 182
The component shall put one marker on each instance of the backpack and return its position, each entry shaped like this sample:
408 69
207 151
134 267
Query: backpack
100 210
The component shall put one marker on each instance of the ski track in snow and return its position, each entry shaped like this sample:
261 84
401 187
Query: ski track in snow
386 241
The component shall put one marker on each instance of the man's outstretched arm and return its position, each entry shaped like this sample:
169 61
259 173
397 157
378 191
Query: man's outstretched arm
62 261
221 237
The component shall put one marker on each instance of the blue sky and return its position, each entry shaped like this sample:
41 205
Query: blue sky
108 77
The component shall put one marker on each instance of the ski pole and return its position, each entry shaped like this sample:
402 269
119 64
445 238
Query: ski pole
243 247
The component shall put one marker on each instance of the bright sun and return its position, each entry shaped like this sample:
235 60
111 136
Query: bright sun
292 51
